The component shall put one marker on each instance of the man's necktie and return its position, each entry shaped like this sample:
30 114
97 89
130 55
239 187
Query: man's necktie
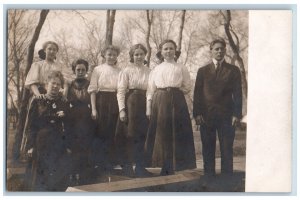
217 67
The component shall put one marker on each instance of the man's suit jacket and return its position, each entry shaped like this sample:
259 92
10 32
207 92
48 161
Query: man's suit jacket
218 93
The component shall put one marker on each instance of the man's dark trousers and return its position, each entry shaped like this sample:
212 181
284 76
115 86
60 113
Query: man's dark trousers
226 133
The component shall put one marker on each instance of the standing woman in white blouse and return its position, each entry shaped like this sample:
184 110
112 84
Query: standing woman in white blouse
170 143
133 123
37 77
103 90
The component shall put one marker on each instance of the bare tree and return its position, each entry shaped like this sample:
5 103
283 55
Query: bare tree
17 44
95 41
163 26
25 92
149 20
181 29
110 20
65 48
94 37
235 46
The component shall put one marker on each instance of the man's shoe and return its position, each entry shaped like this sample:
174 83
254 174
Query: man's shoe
128 171
166 173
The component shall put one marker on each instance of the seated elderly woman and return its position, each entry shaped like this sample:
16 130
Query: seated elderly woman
47 138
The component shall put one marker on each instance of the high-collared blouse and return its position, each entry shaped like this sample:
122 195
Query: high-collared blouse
132 77
39 71
104 78
169 75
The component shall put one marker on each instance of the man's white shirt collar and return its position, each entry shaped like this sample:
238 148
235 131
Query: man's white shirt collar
215 62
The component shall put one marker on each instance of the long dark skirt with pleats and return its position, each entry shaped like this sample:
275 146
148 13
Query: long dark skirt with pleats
170 142
81 133
103 144
131 135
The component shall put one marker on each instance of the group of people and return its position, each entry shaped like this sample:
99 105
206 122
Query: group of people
134 117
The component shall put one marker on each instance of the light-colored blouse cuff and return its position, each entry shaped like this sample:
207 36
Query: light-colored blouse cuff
121 100
149 97
92 90
29 83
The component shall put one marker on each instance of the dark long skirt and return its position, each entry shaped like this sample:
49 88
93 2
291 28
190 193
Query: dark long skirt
103 145
82 129
50 163
131 135
170 142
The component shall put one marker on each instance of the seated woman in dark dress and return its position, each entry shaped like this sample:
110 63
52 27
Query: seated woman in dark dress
47 138
80 123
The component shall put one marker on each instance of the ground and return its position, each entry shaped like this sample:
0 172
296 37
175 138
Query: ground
187 181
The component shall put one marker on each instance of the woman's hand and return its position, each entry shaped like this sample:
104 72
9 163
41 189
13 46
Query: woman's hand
69 151
60 114
94 114
40 96
235 121
148 109
123 116
199 120
29 152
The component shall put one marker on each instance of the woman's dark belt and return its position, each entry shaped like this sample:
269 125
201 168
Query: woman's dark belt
106 91
137 91
169 89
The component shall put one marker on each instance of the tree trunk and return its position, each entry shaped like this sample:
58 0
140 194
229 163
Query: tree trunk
110 20
180 35
181 30
25 92
107 25
34 39
149 20
235 49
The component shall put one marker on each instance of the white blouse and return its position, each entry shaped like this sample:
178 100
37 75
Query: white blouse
104 78
169 75
132 77
39 71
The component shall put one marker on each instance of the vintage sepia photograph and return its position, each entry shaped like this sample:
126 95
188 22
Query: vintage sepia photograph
126 100
152 99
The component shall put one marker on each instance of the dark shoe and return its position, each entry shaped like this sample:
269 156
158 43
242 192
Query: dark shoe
209 174
77 179
226 175
128 171
166 173
142 172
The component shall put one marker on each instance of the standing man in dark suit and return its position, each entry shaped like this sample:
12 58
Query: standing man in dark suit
218 107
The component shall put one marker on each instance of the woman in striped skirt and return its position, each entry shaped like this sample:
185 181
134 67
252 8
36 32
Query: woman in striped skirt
169 142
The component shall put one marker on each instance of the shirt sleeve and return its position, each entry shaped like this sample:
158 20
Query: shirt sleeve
93 87
151 85
237 93
123 82
33 75
198 103
186 80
